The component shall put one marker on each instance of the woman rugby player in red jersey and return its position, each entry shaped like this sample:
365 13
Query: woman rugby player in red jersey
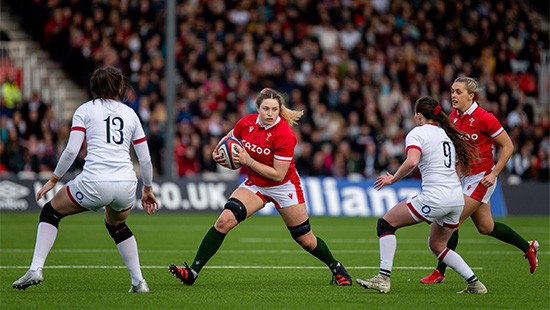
269 143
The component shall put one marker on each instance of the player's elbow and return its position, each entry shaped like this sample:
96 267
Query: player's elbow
144 162
278 178
410 163
71 152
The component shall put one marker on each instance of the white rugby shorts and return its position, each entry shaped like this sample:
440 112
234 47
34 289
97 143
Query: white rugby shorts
444 216
284 195
472 187
94 195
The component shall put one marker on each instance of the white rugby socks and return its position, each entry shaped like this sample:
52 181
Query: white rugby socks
388 245
45 238
129 252
455 261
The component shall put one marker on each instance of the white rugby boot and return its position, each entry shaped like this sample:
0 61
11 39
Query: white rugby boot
142 287
31 277
474 288
379 282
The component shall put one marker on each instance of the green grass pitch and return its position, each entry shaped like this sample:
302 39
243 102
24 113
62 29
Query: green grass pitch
259 266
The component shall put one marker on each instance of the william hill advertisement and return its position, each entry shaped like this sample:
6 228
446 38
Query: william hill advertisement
325 196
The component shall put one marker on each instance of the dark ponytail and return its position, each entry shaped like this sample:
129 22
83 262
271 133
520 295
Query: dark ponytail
107 83
465 152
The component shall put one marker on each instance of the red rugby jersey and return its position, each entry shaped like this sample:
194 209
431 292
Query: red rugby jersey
481 128
266 143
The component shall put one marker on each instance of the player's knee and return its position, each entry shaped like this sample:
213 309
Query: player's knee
226 222
49 215
384 228
120 232
299 230
485 229
237 208
440 252
309 244
436 249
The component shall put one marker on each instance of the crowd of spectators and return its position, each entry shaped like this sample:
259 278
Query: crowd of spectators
354 67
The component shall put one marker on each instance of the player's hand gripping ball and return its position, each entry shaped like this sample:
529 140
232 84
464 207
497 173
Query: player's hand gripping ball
225 150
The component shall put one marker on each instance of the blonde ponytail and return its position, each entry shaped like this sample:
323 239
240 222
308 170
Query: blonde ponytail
291 116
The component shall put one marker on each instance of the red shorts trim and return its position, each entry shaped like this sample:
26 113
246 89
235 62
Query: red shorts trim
472 187
481 190
120 210
410 206
261 197
72 198
299 192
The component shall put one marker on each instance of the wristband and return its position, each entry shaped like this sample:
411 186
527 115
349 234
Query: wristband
54 179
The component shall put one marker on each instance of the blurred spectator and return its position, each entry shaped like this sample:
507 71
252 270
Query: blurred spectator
372 167
12 157
10 91
521 159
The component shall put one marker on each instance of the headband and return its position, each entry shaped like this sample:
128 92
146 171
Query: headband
437 110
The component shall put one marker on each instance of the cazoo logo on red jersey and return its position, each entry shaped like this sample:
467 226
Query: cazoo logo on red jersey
472 137
256 149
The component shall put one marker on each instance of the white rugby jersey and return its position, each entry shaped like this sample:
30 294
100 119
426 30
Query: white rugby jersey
440 182
110 127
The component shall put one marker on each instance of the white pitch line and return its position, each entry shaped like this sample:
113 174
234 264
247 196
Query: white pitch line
226 267
373 251
370 240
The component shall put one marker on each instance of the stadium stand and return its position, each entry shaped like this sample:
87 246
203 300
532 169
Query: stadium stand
355 68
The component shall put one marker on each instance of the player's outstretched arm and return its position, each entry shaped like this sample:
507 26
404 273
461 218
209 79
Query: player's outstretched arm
413 157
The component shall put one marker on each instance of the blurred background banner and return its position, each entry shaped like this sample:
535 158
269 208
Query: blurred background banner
325 196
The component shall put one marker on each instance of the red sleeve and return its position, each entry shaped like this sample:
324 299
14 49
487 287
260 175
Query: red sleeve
490 125
238 129
284 146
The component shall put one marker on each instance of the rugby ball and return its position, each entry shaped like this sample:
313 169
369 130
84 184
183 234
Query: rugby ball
225 150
